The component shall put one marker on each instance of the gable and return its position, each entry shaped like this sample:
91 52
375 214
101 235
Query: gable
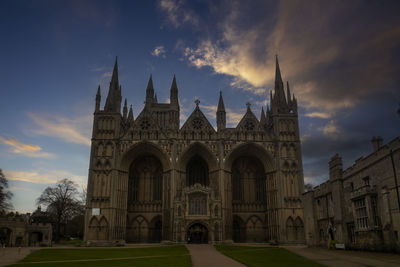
197 121
249 122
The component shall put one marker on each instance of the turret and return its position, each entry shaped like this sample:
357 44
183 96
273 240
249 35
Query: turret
263 119
221 114
150 91
174 94
125 111
113 101
278 102
98 99
130 115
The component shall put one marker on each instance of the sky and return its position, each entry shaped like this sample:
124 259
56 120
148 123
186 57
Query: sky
342 59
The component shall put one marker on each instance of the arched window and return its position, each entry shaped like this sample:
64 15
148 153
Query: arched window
248 180
197 172
145 180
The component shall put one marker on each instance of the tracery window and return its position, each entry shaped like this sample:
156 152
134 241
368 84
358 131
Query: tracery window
248 180
197 204
145 180
197 172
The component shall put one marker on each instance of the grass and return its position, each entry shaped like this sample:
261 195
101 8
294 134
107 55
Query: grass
149 256
264 256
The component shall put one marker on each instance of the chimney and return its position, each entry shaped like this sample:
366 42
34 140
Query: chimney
376 142
335 167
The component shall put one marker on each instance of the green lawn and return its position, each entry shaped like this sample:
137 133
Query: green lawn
149 256
264 256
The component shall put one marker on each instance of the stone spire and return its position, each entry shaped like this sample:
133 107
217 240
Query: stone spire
98 99
125 110
174 93
263 119
150 91
221 114
130 115
113 101
279 90
289 97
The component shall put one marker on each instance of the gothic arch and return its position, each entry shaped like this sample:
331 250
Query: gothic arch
254 229
155 229
299 229
250 149
144 148
93 228
137 230
197 171
201 150
290 230
238 229
103 229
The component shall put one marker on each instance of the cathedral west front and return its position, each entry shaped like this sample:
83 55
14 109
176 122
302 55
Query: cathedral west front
154 180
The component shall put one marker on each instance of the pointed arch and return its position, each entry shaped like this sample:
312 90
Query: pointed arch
201 150
238 229
93 228
155 229
290 231
137 230
103 229
250 149
254 229
299 229
144 148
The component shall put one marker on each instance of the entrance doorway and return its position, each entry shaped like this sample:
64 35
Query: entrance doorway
197 234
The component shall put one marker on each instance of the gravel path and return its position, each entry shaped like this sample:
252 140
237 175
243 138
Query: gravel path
204 255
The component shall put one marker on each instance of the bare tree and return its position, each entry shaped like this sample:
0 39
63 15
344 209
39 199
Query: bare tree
5 194
62 203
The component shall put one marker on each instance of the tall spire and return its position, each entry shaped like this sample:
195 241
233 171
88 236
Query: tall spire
125 110
150 90
174 93
262 117
113 102
221 106
221 114
130 115
98 99
279 101
289 97
114 78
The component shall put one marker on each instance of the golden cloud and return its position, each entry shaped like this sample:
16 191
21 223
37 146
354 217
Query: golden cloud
44 177
75 130
32 151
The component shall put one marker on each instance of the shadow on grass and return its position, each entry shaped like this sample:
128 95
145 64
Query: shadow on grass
264 256
152 256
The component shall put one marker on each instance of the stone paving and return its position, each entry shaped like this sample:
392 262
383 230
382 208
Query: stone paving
204 255
12 255
345 258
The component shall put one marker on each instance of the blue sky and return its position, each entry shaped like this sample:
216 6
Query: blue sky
340 57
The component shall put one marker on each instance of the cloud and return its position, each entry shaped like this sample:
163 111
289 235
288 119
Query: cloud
321 115
76 130
32 151
338 71
178 13
331 130
159 51
44 176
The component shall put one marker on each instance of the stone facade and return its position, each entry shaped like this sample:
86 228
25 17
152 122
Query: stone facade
359 206
22 231
151 180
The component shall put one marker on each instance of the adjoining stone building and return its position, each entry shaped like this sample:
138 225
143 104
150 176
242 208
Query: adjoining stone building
24 230
152 180
358 206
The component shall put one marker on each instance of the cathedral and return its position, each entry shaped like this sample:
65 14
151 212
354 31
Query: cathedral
153 180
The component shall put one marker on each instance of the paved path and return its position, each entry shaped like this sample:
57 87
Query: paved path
346 258
204 255
12 255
